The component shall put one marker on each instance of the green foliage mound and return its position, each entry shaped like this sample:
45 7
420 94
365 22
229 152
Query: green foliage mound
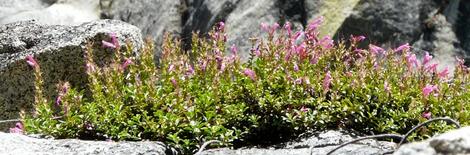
292 82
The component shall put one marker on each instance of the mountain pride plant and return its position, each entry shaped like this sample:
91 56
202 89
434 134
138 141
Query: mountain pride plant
292 82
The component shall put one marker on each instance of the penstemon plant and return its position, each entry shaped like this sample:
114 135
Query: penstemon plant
292 82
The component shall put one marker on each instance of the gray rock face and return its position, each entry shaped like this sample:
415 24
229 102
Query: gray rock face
322 143
59 51
453 142
153 17
11 144
244 22
388 22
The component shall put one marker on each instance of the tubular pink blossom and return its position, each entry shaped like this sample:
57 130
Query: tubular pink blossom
234 49
18 128
428 89
174 82
432 68
444 73
314 59
296 67
264 27
404 47
315 23
326 42
426 114
327 81
411 60
426 58
114 39
171 68
190 70
221 26
386 87
288 28
126 63
376 50
356 39
108 44
30 60
298 81
250 73
304 109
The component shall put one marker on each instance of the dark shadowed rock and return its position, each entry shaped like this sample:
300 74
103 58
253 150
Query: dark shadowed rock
463 28
453 142
58 50
322 143
388 23
12 144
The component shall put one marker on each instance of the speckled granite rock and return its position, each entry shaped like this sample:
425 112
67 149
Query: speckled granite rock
453 142
13 144
323 142
59 51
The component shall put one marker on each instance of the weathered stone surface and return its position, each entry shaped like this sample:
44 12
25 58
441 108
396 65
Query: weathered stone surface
153 17
11 144
60 12
388 23
244 22
322 142
58 50
463 29
453 142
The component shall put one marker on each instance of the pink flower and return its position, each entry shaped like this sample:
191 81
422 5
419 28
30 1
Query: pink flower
221 26
356 39
18 128
432 68
304 109
174 82
190 70
426 114
404 47
250 73
386 87
326 42
327 81
376 50
203 65
315 23
90 67
298 81
314 59
58 100
234 49
426 58
264 27
171 68
428 89
30 60
296 67
113 44
301 51
126 63
444 73
288 28
411 60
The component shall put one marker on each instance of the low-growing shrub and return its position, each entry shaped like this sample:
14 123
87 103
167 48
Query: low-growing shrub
292 82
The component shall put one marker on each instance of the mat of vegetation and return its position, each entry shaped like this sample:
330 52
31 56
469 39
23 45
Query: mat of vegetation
293 82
